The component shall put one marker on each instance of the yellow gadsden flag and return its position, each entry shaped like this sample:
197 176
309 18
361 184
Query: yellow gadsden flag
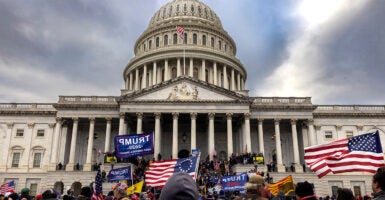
286 185
136 188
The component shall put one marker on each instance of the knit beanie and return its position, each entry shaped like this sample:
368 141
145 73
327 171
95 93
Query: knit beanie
180 186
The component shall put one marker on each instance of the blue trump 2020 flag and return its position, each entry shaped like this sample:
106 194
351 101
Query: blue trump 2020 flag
127 146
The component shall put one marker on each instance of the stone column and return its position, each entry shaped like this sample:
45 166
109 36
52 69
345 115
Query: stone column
6 147
215 74
154 81
55 144
211 147
203 73
144 79
229 135
238 81
29 135
232 80
225 81
260 137
71 162
175 116
139 116
178 69
247 141
193 131
278 148
131 81
312 137
157 134
137 79
191 69
298 167
108 135
88 164
121 123
166 77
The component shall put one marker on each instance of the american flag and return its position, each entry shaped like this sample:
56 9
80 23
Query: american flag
98 190
361 153
7 186
180 31
159 172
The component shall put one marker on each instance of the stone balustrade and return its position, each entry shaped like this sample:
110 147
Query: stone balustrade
87 99
282 100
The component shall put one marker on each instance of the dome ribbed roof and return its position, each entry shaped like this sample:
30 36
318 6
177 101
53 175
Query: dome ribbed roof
188 9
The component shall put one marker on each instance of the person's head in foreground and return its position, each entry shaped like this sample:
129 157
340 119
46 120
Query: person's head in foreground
180 186
345 194
378 183
305 191
120 190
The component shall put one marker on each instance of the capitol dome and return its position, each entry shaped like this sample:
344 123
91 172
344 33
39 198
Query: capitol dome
205 53
188 9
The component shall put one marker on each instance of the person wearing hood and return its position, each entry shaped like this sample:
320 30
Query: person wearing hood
378 184
180 186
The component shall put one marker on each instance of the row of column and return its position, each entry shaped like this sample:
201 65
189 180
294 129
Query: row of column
154 75
246 138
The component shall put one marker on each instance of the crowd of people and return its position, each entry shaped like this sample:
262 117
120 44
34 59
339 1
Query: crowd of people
182 186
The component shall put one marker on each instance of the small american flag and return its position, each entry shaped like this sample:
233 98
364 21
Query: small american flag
98 190
7 186
180 32
361 153
160 172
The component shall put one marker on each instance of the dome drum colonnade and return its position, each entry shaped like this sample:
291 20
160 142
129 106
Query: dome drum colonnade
206 53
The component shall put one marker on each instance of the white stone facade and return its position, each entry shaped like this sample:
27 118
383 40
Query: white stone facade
192 96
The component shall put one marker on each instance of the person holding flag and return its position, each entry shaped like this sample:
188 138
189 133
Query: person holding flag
98 189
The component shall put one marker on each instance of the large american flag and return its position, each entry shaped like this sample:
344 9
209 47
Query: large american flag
7 186
98 190
159 172
361 153
180 31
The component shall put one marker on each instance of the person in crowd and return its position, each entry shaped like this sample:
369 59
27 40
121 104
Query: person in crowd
120 191
305 191
254 188
378 184
50 194
85 193
345 194
24 194
180 186
12 196
39 197
110 196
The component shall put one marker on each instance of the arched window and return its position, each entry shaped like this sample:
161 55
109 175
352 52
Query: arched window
177 8
212 42
192 9
204 40
220 45
170 11
164 12
195 72
150 44
195 38
199 10
157 42
185 8
173 72
165 41
185 38
144 47
175 38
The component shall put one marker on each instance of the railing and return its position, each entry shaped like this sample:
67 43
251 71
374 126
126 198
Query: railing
352 108
26 106
282 100
87 99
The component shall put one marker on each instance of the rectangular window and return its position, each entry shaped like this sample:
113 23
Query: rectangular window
357 191
33 189
40 133
334 190
349 134
328 134
15 159
20 132
36 160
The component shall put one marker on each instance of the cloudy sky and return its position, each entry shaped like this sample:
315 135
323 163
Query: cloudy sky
330 50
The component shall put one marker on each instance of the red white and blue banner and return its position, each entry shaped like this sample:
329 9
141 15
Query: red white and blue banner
123 173
127 146
234 183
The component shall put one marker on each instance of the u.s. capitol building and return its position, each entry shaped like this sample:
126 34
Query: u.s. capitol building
191 93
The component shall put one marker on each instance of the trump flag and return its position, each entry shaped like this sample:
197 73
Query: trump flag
362 153
159 172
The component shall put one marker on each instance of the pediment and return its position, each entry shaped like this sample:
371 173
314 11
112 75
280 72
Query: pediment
185 89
